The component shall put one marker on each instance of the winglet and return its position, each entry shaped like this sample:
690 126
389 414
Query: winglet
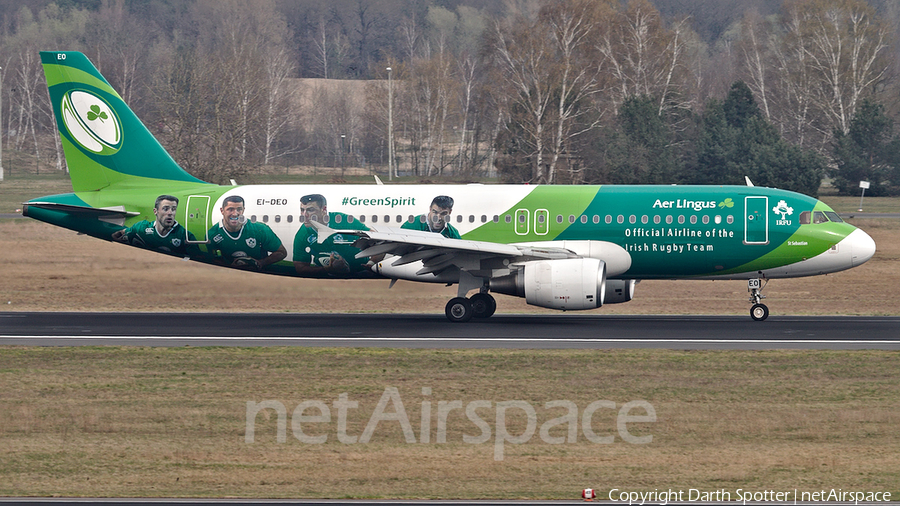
322 230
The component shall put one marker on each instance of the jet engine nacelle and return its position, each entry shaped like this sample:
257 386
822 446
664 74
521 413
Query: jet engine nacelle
574 283
619 290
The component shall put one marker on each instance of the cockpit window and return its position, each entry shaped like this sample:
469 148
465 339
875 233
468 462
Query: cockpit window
819 217
833 217
804 217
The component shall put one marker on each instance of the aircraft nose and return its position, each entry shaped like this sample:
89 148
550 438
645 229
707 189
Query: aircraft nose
862 247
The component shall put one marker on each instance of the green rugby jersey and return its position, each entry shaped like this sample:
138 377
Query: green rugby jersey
307 250
254 240
419 223
174 242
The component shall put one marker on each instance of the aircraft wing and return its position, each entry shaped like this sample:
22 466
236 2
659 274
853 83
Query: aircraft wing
437 252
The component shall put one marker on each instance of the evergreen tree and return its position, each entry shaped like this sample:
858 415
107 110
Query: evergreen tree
639 148
735 140
868 152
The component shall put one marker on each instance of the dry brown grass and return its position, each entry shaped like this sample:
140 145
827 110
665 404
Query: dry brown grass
171 422
48 268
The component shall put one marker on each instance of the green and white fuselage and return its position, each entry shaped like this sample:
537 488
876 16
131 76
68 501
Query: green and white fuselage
556 235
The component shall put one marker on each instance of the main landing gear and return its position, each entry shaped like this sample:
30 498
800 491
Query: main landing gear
461 309
759 311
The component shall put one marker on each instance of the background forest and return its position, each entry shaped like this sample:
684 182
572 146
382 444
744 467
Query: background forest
580 91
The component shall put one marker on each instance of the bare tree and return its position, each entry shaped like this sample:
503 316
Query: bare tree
571 25
279 99
524 56
756 59
321 46
645 58
840 45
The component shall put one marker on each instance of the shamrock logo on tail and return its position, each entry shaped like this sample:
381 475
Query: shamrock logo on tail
96 113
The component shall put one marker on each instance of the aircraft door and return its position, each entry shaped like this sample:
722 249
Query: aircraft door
198 218
756 220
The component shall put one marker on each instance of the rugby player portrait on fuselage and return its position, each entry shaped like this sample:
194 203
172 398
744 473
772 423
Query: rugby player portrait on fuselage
236 242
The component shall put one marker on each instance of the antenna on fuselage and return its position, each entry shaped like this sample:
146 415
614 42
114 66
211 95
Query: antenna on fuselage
747 179
377 180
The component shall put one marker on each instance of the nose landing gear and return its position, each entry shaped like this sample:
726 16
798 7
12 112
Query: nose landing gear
759 311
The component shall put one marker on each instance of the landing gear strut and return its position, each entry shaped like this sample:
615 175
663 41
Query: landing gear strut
759 311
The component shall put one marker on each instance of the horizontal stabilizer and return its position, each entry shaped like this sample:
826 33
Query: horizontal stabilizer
115 215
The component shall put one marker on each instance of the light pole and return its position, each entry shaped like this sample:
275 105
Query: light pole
390 126
1 123
343 136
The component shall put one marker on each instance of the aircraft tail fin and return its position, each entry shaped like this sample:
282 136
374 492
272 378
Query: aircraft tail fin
104 141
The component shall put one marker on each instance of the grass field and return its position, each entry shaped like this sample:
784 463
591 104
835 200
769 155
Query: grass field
164 422
172 422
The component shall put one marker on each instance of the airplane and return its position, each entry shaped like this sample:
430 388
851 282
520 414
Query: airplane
565 247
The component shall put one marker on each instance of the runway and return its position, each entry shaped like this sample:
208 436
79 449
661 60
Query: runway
434 331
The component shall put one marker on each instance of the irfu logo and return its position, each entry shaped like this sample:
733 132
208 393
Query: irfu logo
784 210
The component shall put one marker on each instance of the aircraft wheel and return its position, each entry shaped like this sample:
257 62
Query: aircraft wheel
483 305
459 310
759 312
